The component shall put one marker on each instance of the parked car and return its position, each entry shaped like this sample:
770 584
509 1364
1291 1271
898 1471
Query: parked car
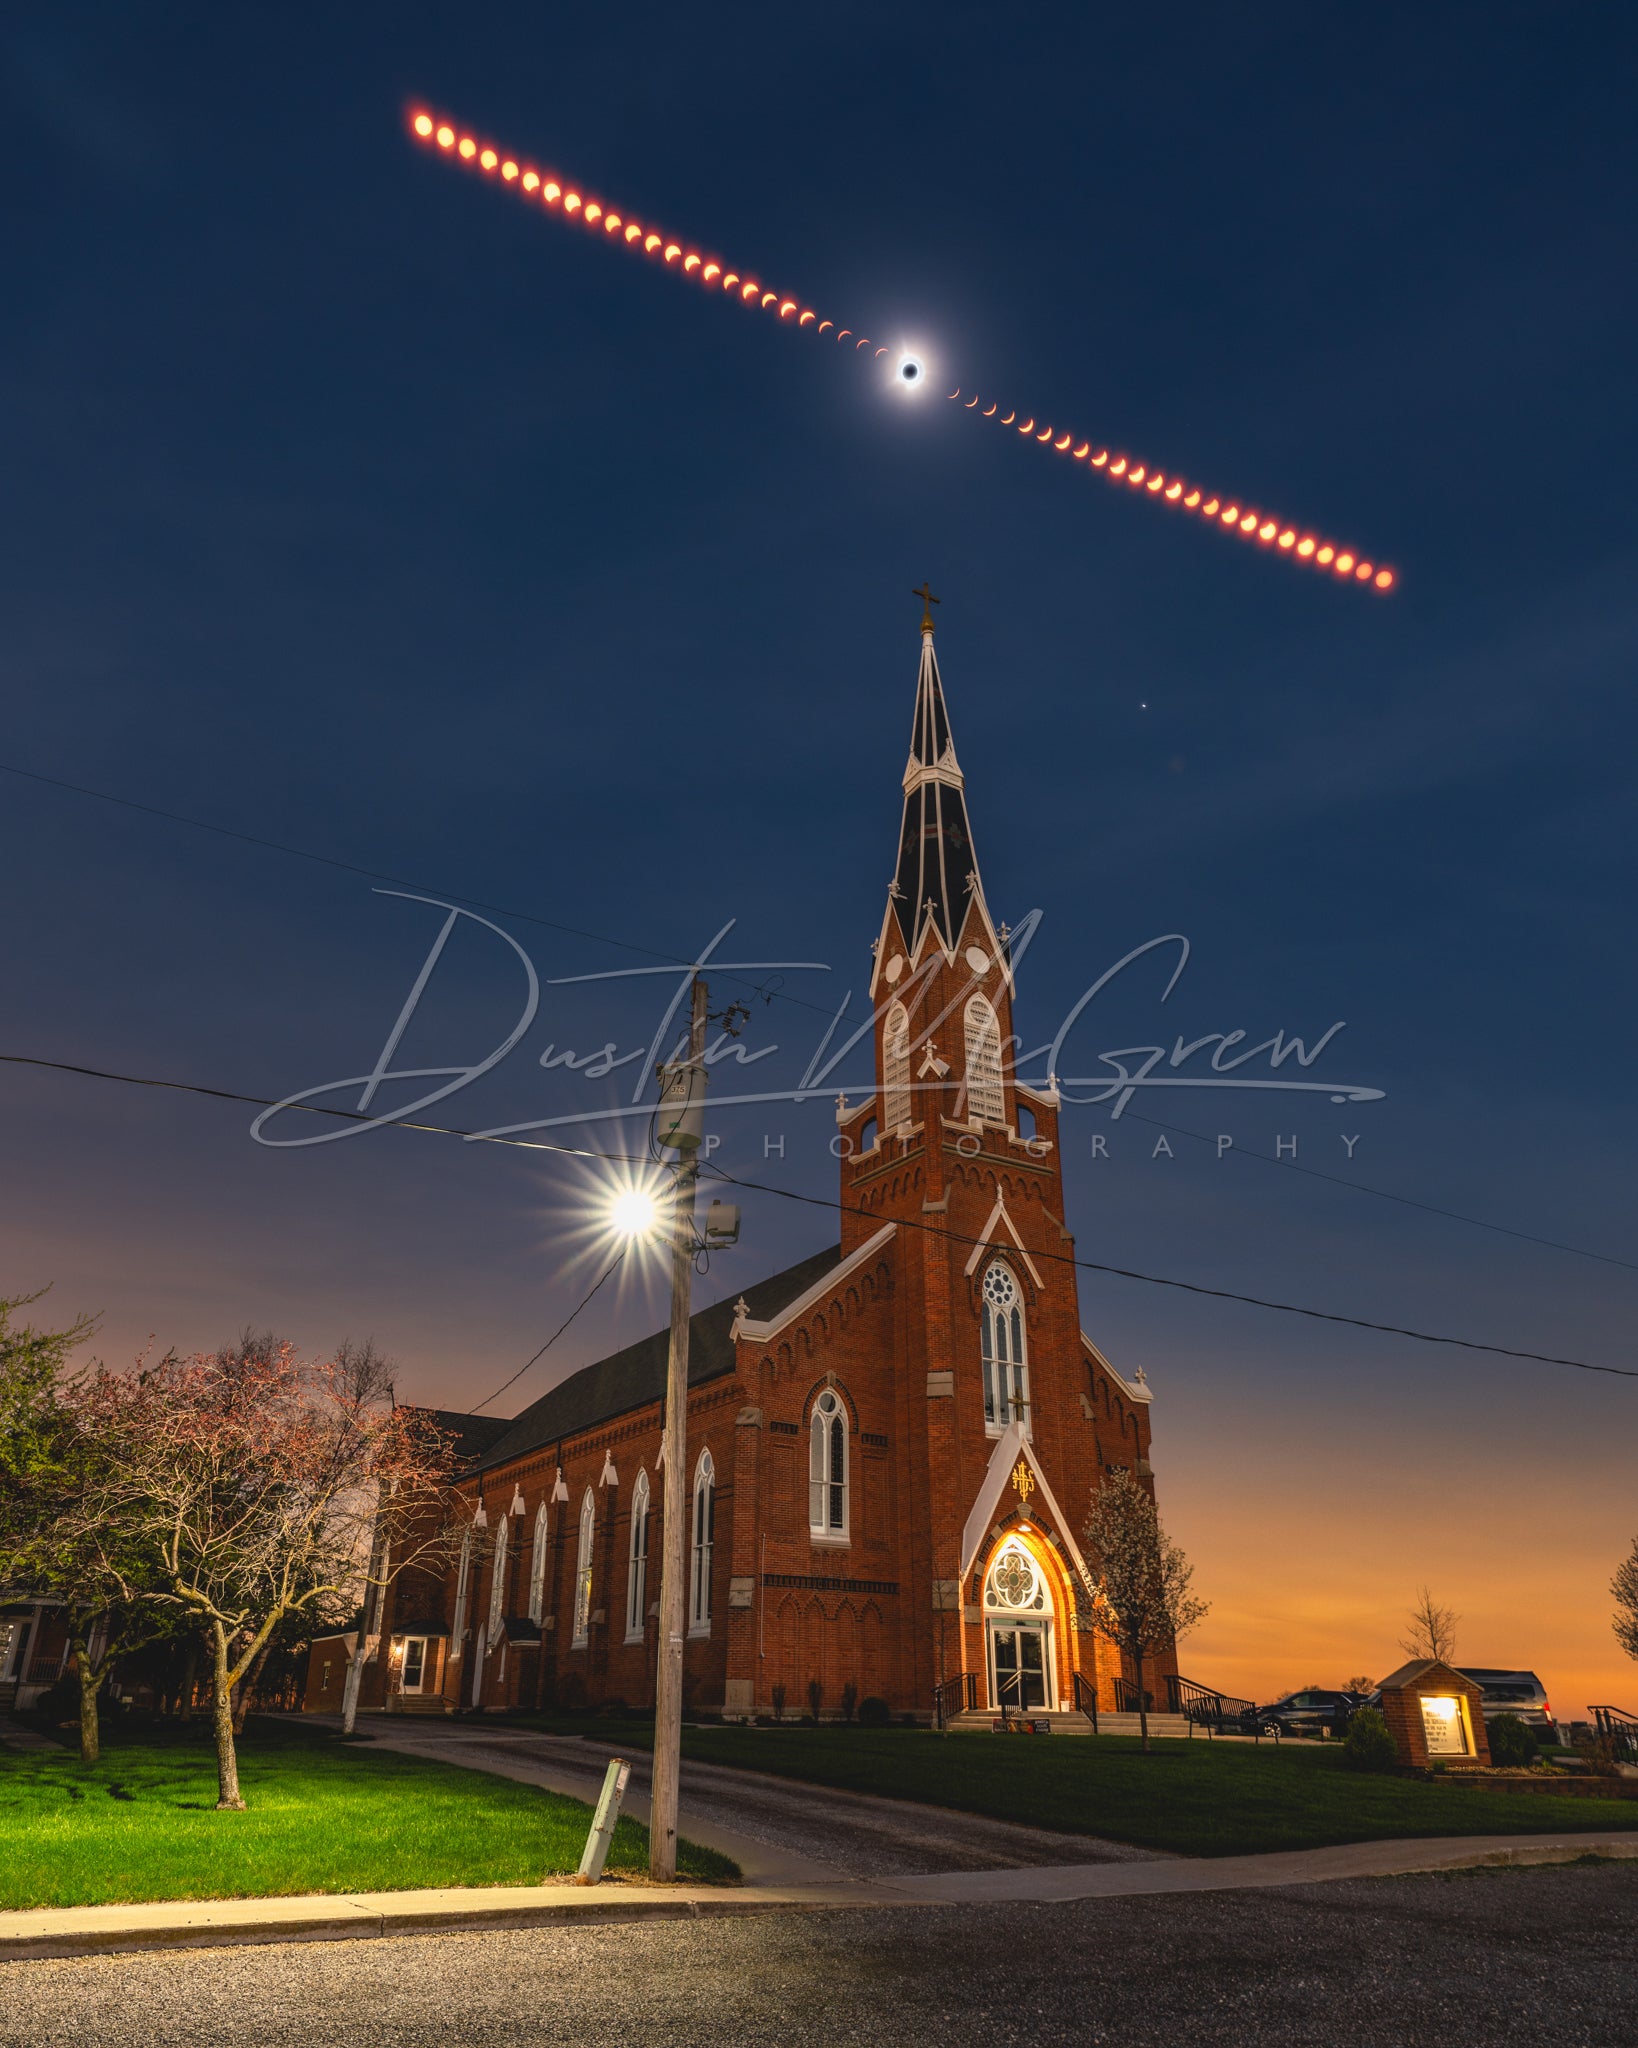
1307 1713
1513 1692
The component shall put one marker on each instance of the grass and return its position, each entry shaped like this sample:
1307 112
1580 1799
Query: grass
324 1816
1195 1798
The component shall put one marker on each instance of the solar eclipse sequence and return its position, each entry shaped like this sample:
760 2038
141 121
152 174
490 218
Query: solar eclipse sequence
1298 543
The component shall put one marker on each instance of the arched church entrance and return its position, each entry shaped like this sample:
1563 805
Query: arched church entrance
1018 1619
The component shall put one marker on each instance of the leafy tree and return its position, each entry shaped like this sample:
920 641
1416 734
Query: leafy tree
254 1481
1432 1630
1143 1599
1625 1588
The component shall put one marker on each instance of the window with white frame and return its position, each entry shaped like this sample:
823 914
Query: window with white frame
497 1587
986 1099
463 1574
704 1533
637 1561
896 1068
583 1569
1005 1351
537 1567
827 1467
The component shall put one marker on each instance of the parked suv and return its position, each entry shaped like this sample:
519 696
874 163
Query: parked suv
1513 1692
1307 1713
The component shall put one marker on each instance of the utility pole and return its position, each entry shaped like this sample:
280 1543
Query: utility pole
682 1101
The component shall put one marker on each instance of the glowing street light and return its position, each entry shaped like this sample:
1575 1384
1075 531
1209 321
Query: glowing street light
634 1213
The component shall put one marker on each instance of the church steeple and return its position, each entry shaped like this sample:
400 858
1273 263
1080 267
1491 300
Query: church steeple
938 871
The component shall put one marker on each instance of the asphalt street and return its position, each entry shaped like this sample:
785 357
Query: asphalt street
1544 1956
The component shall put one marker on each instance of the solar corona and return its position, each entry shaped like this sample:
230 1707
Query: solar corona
908 372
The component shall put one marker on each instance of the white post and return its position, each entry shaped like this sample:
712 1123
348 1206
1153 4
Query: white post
615 1780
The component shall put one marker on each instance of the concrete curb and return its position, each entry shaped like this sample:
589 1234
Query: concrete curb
356 1916
361 1916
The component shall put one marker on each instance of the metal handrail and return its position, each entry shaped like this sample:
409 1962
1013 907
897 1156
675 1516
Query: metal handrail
1127 1701
1616 1726
1204 1706
954 1696
1086 1698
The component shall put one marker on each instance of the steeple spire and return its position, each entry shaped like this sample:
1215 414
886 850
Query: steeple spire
937 871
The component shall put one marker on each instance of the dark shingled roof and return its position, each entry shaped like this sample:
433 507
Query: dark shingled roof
473 1434
636 1376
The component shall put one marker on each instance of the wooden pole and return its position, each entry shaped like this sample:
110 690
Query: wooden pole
662 1826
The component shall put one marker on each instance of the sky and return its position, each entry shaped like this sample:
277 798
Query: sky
358 507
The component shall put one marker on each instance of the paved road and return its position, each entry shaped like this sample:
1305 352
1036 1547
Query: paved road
1476 1961
778 1831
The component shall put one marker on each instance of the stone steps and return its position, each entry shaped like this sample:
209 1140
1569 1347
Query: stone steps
1067 1722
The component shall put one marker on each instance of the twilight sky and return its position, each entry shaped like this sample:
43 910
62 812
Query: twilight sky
353 506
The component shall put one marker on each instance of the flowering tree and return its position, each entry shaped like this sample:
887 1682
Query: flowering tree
48 1460
1625 1588
1143 1599
252 1481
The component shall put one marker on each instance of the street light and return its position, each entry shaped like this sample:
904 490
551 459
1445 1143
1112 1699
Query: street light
633 1212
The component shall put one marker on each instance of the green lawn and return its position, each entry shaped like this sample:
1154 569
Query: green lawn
324 1816
1197 1798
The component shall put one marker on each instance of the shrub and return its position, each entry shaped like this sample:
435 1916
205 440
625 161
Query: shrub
1511 1741
850 1700
875 1713
1368 1746
816 1696
777 1694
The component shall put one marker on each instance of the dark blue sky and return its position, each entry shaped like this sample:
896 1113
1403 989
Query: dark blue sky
353 505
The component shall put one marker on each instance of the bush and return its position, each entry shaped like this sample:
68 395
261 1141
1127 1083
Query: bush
1511 1741
875 1713
1368 1746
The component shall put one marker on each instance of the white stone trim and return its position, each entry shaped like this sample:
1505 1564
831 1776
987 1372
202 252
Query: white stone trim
988 1242
759 1333
1138 1390
1011 1445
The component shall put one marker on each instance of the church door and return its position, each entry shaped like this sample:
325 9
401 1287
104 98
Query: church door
1018 1630
1018 1658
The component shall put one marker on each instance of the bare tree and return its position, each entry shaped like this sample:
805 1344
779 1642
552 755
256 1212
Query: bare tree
1143 1599
255 1481
1625 1588
1432 1630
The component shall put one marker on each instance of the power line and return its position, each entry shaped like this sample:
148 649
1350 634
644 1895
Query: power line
822 1202
347 867
1185 1286
672 959
558 1332
1360 1187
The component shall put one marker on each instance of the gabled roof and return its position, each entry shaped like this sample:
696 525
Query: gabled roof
634 1377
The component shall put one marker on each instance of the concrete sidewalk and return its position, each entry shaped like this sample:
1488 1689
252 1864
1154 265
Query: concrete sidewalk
87 1930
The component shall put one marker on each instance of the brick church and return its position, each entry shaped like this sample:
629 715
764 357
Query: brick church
891 1445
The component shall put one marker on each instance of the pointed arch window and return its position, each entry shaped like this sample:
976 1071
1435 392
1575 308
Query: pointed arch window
986 1098
463 1574
1005 1352
896 1068
637 1562
704 1541
583 1571
497 1588
537 1567
827 1468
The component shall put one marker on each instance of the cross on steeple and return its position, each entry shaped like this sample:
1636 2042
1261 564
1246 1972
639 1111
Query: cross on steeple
928 600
